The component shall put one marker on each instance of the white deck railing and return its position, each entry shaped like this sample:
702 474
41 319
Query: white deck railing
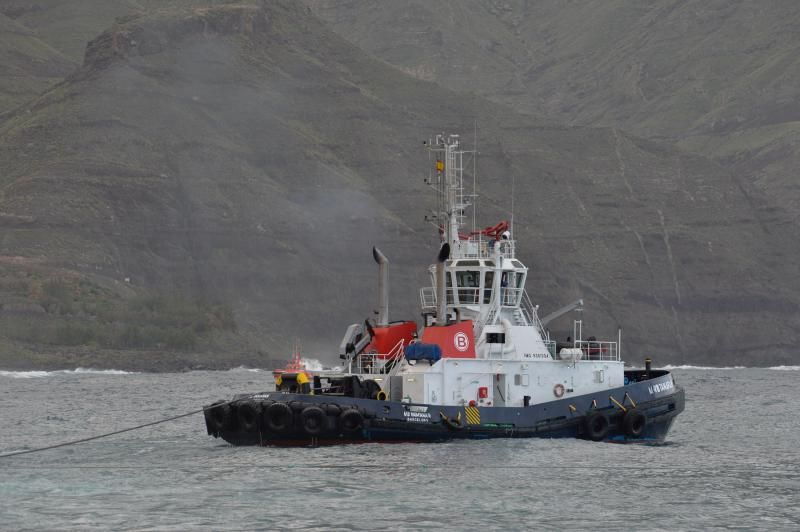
380 363
598 350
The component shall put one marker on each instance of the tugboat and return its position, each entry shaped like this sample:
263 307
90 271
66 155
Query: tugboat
482 365
293 377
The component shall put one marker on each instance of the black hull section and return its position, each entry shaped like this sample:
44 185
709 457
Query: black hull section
640 412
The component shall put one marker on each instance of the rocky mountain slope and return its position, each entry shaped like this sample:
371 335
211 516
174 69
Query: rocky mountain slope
243 160
719 77
28 66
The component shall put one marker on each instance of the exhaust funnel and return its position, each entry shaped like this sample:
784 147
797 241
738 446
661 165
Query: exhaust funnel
383 287
441 285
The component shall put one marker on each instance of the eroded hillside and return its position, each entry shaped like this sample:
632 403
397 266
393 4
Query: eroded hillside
240 161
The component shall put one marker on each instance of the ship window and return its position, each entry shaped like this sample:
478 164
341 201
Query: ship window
490 263
468 286
449 288
517 379
495 338
517 264
469 263
488 282
509 282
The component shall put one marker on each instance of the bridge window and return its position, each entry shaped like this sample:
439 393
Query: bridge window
468 286
449 289
488 283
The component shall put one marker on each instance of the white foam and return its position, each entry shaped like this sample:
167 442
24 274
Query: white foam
25 374
76 371
312 364
685 366
98 371
244 369
785 368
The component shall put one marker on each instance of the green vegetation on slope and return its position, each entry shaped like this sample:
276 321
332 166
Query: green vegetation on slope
253 157
42 307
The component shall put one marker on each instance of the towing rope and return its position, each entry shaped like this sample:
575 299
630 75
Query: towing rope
129 429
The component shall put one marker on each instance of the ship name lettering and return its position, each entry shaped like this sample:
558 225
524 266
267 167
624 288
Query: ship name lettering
660 387
417 417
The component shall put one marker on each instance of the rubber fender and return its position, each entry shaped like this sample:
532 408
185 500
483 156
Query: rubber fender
215 417
333 410
351 420
634 423
596 426
312 420
248 414
279 417
297 406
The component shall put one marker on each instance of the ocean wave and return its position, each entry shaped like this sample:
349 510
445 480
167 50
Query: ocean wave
686 366
245 369
785 368
76 371
312 364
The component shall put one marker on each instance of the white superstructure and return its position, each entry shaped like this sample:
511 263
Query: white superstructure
495 351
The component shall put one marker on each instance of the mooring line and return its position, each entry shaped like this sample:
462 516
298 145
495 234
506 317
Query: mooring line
129 429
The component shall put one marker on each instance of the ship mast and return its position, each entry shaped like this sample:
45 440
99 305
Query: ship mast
452 201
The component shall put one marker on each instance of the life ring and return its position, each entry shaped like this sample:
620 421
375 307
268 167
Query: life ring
634 423
313 420
596 426
351 420
380 396
217 417
558 390
279 417
247 414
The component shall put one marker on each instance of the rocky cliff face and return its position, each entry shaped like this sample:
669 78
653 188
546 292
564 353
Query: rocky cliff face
249 157
719 78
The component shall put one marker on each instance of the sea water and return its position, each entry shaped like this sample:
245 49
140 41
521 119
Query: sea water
732 460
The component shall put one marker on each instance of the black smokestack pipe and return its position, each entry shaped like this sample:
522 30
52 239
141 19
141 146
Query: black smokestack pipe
441 285
383 286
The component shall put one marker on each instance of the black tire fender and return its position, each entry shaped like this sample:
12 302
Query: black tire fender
248 413
216 417
312 419
595 426
279 417
634 423
351 420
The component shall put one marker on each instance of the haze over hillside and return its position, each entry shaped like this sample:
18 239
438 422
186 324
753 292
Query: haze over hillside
215 177
719 77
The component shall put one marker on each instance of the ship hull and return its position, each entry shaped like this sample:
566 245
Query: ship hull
639 412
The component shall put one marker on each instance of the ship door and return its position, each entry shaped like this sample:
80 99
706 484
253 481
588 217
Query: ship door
500 390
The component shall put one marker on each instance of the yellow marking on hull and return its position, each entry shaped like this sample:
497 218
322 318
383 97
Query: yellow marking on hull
473 415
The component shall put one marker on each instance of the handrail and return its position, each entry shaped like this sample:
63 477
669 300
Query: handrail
395 354
599 349
466 295
510 297
397 359
484 321
367 363
532 314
